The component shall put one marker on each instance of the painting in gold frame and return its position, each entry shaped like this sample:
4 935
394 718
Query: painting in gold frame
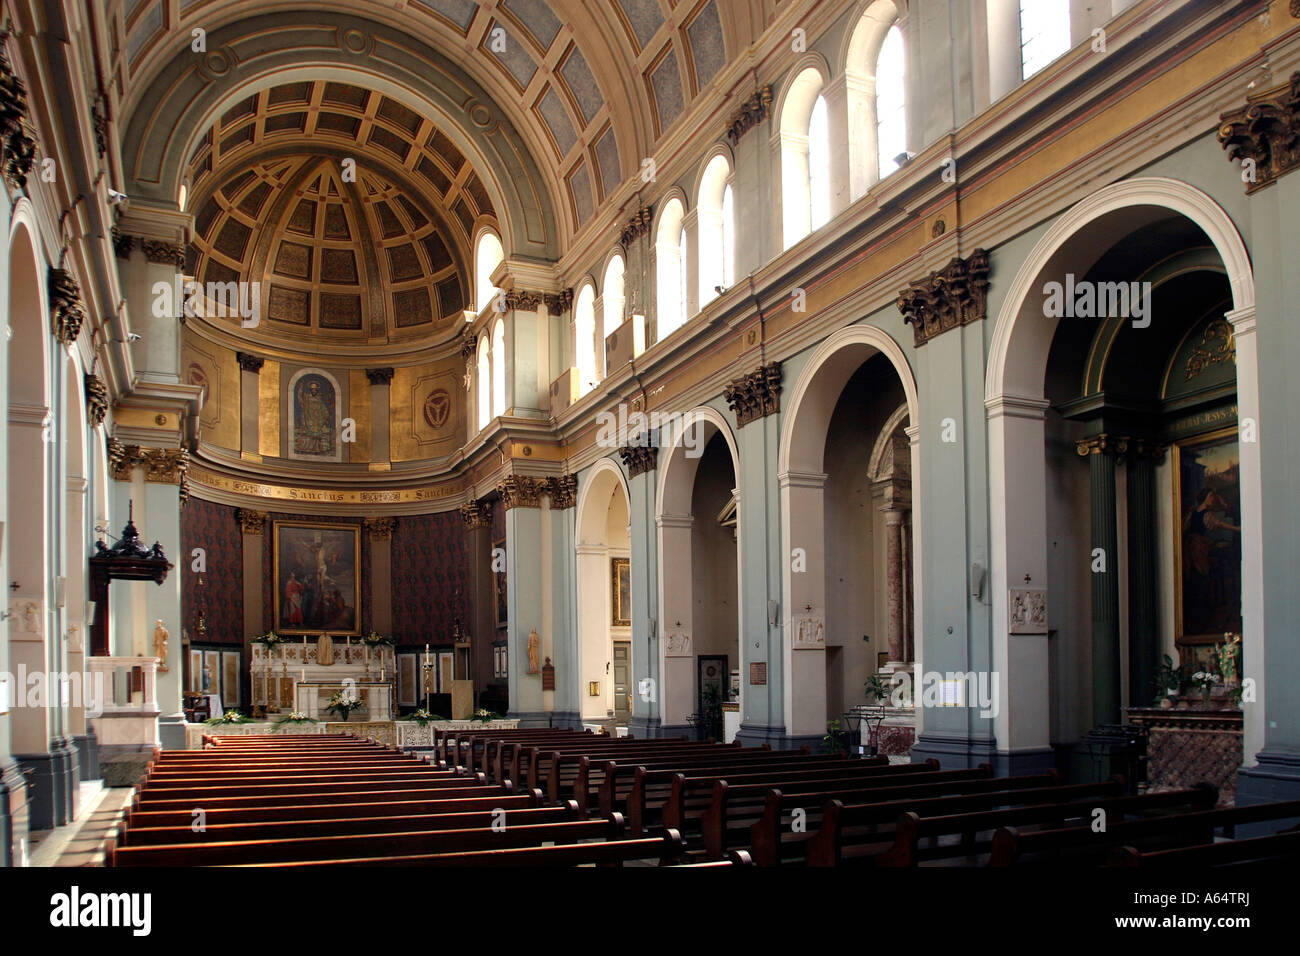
620 582
317 578
1207 537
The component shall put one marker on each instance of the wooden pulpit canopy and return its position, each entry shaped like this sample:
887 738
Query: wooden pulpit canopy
128 560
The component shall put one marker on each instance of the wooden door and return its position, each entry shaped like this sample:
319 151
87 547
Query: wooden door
622 682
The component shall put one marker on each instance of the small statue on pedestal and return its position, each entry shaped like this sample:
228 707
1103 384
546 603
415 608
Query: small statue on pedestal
534 645
160 636
1230 659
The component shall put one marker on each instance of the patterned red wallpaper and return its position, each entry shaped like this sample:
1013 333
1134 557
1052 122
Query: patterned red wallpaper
430 577
213 527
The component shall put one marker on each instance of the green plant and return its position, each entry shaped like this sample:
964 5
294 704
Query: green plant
484 716
229 717
832 741
375 639
422 717
877 687
1166 677
295 718
270 639
343 703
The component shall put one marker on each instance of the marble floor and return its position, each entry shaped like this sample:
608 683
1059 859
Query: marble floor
81 843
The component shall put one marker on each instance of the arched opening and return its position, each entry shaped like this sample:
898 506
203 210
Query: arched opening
846 469
605 600
584 337
612 299
484 383
670 269
27 532
805 158
1122 495
717 230
876 91
499 368
699 580
487 257
891 102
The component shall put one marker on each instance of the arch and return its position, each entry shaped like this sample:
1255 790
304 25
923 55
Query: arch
801 104
716 227
29 352
1016 406
584 337
837 353
161 134
604 492
499 368
670 261
876 24
488 254
679 463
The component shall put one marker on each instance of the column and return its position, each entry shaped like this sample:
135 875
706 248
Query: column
894 583
380 386
381 572
479 624
526 558
1100 452
250 412
1143 583
841 126
564 703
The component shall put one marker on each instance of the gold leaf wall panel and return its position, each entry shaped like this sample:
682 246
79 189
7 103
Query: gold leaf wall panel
268 400
427 410
359 411
210 365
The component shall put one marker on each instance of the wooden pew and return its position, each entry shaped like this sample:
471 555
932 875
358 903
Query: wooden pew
208 803
1277 848
666 848
376 847
531 763
1010 846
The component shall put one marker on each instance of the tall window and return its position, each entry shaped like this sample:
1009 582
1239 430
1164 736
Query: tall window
484 382
486 258
716 217
499 368
805 158
584 333
819 166
670 269
891 112
1044 33
612 298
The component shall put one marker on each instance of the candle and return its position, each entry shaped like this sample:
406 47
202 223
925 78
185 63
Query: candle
303 676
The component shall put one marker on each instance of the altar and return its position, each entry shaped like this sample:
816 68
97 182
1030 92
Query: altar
302 675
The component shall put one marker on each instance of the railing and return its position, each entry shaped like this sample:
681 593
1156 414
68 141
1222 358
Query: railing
122 686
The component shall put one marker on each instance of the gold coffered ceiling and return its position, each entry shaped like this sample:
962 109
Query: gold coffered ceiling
374 250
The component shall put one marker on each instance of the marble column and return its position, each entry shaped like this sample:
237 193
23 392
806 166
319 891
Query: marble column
894 582
1100 452
479 603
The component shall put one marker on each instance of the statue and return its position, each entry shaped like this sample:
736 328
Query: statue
160 636
533 650
1230 659
324 650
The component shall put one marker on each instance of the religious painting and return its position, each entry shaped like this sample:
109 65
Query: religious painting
314 417
1207 541
502 603
620 582
317 583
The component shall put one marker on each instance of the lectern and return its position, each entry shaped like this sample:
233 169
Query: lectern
462 683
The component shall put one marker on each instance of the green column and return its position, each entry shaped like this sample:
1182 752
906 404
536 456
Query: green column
1143 637
1100 452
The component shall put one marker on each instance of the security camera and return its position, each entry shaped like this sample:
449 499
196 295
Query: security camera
116 198
133 337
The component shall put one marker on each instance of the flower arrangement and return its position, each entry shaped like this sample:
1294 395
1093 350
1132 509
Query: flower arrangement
422 717
484 716
1206 680
229 717
297 717
343 702
374 639
270 639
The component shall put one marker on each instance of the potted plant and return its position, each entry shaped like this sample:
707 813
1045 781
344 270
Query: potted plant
1167 681
1206 680
833 741
877 687
343 703
229 717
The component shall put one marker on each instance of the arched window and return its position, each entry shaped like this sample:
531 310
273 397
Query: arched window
484 382
584 333
716 230
805 158
891 103
819 166
613 298
1044 33
486 258
670 269
499 368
